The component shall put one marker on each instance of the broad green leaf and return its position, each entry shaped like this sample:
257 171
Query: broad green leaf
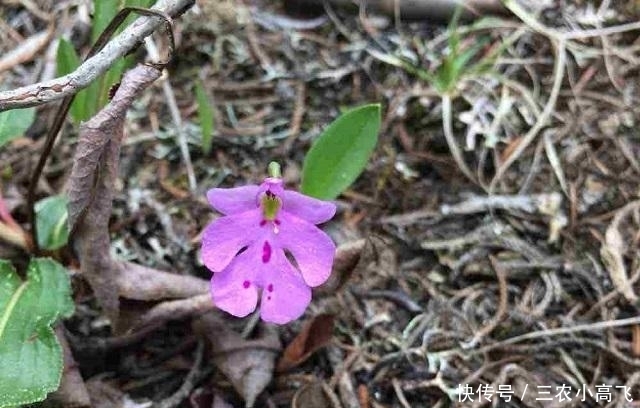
13 123
341 152
67 61
205 116
103 12
51 221
29 351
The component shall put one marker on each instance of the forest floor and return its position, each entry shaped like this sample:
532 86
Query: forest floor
504 268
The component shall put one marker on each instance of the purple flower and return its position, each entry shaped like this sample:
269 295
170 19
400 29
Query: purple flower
246 249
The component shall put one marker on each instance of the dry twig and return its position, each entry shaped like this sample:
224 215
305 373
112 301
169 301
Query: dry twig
90 70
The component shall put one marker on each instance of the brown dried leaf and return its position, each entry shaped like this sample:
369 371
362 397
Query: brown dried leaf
314 335
248 364
311 396
613 250
143 283
90 187
344 263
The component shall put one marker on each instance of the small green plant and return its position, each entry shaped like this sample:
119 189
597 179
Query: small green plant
30 353
51 220
458 64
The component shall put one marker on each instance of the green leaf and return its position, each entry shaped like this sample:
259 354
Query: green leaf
341 152
29 351
103 12
67 61
454 67
205 116
13 123
51 221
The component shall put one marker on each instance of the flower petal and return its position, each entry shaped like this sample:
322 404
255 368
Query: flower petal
233 200
285 296
308 208
312 249
234 290
226 236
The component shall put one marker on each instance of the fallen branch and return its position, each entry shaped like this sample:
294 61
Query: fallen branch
545 203
92 68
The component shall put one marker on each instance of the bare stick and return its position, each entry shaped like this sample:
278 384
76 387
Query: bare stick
559 331
189 382
95 66
181 137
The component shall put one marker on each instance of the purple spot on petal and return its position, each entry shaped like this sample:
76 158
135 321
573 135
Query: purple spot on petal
268 297
270 287
263 223
246 284
266 252
277 222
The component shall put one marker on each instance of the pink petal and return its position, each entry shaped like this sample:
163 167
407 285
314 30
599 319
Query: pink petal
309 209
285 296
234 290
226 236
233 200
312 249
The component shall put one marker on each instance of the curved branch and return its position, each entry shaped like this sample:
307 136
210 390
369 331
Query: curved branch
95 66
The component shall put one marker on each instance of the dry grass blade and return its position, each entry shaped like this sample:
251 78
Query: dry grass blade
613 249
451 140
558 75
